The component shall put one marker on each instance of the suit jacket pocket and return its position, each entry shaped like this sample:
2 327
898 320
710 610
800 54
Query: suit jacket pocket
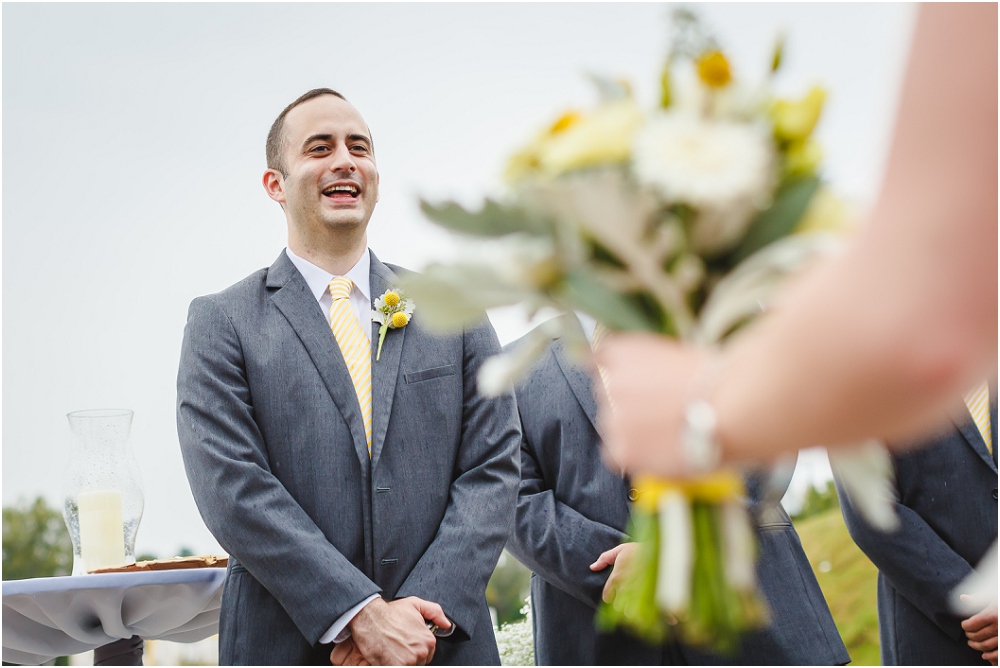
428 374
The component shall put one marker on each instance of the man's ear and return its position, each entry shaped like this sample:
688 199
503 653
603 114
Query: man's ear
274 185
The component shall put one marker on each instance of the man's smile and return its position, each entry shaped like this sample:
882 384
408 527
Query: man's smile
342 192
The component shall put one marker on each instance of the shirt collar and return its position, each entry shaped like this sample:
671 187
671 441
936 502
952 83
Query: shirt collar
319 279
588 325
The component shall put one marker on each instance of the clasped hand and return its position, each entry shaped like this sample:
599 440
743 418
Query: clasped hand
981 633
391 633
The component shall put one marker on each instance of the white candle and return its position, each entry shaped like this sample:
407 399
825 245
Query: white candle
102 531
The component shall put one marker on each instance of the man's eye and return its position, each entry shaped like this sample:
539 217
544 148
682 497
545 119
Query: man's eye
319 149
360 148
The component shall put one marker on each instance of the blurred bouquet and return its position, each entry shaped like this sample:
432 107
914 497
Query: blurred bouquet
681 220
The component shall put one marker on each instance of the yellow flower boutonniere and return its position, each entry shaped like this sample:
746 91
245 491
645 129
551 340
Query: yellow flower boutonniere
393 311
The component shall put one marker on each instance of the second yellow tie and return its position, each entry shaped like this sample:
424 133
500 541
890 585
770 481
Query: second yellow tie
978 401
354 346
601 333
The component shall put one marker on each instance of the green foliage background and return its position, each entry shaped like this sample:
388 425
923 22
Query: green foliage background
846 576
35 541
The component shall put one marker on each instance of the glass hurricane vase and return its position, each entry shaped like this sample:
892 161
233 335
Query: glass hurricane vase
103 490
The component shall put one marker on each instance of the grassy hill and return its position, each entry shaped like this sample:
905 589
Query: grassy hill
847 579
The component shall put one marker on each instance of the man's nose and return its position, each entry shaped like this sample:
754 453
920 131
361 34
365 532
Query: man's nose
342 160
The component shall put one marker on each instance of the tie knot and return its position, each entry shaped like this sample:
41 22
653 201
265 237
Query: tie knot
340 288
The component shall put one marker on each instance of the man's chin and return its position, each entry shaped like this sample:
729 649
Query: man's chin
346 223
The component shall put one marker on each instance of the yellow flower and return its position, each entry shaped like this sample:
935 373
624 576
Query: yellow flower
399 319
713 69
568 119
803 157
828 213
577 141
711 488
391 299
795 120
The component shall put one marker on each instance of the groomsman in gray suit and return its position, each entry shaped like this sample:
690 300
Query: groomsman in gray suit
947 508
571 508
364 498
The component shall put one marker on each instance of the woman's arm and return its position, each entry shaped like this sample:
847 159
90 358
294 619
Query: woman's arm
881 341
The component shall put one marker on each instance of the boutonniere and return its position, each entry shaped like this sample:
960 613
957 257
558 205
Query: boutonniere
392 310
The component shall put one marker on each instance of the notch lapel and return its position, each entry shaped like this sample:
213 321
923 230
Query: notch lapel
385 370
967 426
292 297
579 382
993 423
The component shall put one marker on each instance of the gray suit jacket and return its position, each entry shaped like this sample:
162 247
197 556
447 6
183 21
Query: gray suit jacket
571 508
274 447
947 508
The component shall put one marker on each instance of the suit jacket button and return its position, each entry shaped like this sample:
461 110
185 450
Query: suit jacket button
994 495
633 494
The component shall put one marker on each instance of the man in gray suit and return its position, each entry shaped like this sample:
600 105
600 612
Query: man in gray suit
571 508
364 498
947 508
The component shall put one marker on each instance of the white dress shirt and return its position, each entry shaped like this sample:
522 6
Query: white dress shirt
318 281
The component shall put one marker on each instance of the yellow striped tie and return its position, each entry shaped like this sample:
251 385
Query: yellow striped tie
354 346
978 401
601 333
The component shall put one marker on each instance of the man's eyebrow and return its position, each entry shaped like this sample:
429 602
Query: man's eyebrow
360 137
328 137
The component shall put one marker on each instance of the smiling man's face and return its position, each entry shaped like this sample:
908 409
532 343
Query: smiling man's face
331 180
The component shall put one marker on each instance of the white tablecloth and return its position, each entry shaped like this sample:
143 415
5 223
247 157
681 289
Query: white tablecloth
48 617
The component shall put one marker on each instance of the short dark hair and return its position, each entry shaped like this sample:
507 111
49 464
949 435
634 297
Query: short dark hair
275 146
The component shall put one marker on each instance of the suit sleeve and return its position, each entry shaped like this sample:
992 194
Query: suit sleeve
244 505
555 541
915 561
456 566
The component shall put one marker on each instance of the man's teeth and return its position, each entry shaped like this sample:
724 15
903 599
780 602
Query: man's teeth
345 189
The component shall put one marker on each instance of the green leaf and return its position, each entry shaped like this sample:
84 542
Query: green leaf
493 220
588 294
779 220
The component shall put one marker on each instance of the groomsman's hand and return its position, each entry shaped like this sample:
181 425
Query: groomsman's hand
981 630
619 557
395 633
346 653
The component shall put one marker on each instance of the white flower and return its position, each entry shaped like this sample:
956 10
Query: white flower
725 170
864 471
673 578
516 642
739 546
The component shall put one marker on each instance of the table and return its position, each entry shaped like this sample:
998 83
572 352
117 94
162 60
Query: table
48 617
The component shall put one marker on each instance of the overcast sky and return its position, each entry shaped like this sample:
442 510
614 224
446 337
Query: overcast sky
133 148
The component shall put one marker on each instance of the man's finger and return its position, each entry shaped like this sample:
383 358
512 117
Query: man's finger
982 633
610 588
607 558
991 657
340 652
980 619
431 611
984 645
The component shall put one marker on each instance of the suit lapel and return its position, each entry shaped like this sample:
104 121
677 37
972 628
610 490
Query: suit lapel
292 297
579 382
967 426
385 370
993 424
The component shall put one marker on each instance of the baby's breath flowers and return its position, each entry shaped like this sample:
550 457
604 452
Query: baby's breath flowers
392 310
